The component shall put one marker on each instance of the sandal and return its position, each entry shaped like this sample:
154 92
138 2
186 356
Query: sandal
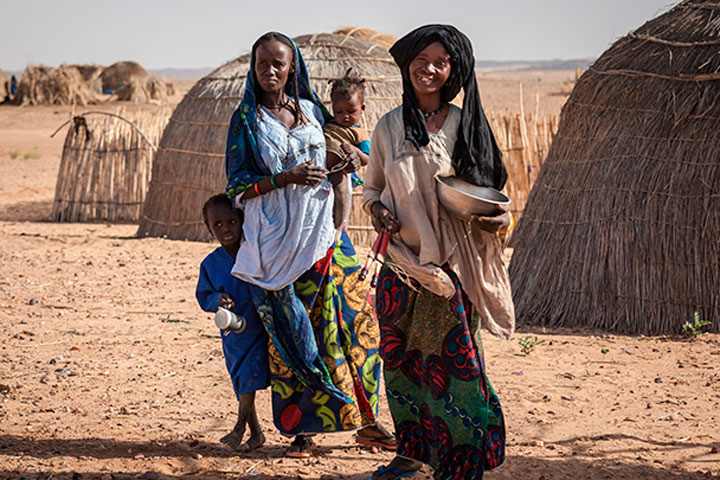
382 469
386 442
301 447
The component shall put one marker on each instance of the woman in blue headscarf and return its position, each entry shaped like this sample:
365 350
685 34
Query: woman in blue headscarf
324 339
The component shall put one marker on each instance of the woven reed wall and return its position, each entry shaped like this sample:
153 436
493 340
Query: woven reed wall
105 168
621 227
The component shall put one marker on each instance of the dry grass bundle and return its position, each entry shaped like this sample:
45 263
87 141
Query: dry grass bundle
385 40
621 228
63 85
4 85
91 74
189 166
106 166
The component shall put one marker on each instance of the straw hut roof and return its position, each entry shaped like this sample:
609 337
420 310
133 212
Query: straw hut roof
621 228
63 85
189 166
383 39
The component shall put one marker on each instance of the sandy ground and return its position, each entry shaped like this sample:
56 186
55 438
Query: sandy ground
110 370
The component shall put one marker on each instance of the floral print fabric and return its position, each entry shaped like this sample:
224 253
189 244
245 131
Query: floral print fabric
446 413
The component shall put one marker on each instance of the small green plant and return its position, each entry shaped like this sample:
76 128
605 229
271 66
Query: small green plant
695 328
31 156
528 343
14 154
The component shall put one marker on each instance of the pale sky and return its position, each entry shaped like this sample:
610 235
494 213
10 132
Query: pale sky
206 33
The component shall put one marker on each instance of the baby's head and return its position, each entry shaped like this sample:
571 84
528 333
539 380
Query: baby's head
223 221
348 99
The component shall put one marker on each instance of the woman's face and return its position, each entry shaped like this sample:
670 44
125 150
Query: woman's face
430 69
273 60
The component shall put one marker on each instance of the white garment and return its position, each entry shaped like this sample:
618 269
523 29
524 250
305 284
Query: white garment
402 177
288 229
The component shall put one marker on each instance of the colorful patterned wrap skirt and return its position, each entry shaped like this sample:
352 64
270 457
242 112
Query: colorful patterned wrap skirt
446 413
346 335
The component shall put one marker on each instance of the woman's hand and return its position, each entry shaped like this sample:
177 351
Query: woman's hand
383 220
501 221
304 174
226 301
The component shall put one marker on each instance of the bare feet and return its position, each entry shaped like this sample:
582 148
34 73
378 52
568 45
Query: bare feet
234 439
253 443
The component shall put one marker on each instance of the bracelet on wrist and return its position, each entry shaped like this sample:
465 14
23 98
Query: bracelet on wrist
510 228
256 187
272 181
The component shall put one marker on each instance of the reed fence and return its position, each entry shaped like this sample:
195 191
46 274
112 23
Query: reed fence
106 166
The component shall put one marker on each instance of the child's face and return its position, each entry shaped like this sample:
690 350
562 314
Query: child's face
225 225
347 111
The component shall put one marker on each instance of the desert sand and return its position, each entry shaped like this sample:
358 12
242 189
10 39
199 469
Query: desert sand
109 369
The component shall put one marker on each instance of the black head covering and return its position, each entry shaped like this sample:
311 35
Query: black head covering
476 156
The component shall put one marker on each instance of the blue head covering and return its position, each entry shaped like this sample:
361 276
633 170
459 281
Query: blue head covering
243 164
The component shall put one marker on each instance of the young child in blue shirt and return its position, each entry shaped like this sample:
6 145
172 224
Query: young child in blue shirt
246 352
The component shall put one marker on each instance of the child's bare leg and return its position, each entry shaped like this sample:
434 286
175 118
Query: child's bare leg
246 404
257 439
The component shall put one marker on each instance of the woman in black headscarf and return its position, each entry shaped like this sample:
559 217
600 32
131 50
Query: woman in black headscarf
439 267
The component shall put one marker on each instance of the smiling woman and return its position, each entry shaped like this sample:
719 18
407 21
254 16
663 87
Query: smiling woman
439 268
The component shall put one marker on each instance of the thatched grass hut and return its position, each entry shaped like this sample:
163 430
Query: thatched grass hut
120 74
106 166
4 85
189 166
132 83
385 40
621 228
63 85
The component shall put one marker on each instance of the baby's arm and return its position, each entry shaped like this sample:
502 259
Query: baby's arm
357 158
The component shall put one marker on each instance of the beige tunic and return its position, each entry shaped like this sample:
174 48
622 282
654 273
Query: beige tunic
402 178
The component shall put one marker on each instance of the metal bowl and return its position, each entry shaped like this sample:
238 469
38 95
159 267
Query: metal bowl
464 199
